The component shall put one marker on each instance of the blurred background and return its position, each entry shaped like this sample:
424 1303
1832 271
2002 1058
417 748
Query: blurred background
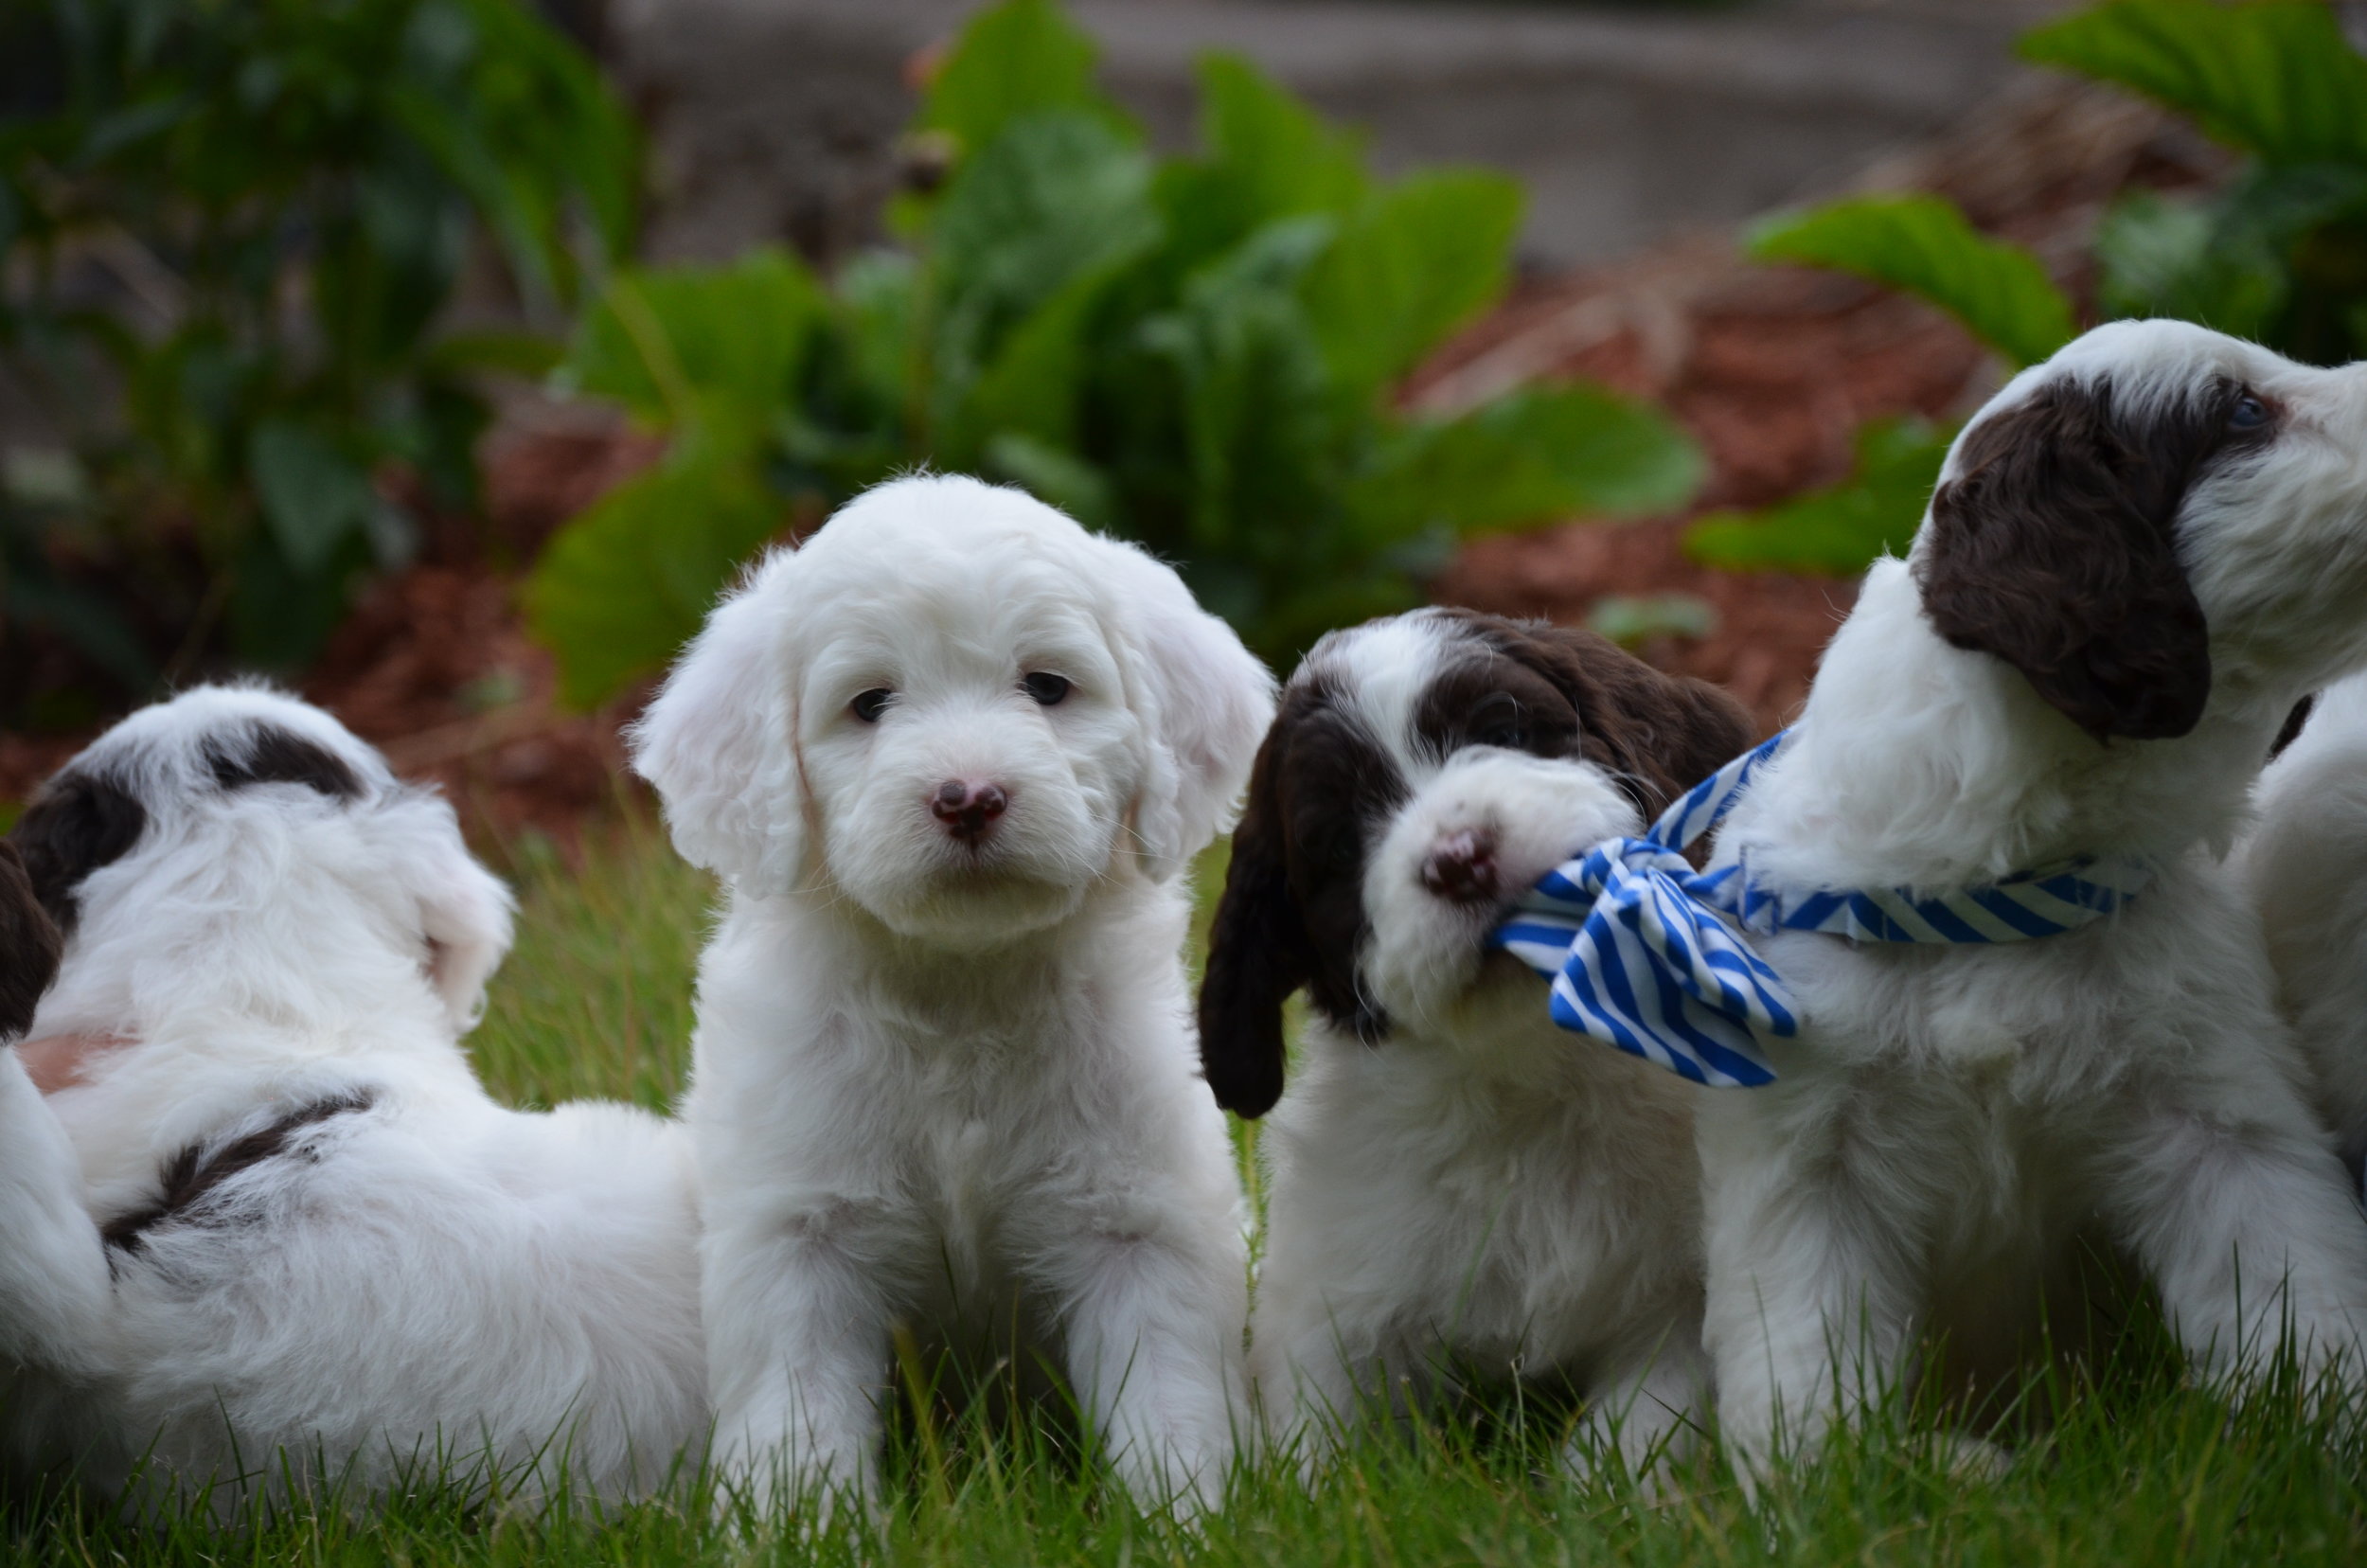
442 359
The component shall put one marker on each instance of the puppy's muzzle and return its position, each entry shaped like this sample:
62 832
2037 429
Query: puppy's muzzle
1461 868
969 807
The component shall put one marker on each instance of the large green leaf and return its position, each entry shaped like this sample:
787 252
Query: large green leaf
1054 198
514 115
1528 457
664 340
1923 245
313 495
1280 153
1030 388
1842 531
2162 257
1257 433
628 582
1020 57
1409 266
1267 156
2275 78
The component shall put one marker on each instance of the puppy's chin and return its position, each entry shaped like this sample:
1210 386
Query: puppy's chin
973 911
928 888
1425 962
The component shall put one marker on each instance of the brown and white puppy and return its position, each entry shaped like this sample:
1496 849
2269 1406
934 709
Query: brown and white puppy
2140 553
1455 1184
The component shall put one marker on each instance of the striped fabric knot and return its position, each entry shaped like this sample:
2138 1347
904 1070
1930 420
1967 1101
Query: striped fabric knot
1648 954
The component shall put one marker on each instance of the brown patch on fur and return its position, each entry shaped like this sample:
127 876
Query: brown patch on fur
270 755
1291 907
191 1179
2055 549
2290 730
78 823
1581 695
30 945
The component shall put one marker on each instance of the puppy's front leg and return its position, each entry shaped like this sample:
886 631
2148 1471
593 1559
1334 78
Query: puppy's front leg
797 1352
1154 1350
55 1287
2242 1214
1809 1304
1647 1407
1320 1366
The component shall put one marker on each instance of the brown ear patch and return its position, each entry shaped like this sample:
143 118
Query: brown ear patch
1577 694
1292 912
29 946
2055 550
1258 952
80 822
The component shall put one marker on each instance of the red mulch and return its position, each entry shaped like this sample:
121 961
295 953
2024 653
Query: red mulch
1771 370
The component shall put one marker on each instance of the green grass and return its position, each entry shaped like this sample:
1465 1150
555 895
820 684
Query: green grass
2138 1467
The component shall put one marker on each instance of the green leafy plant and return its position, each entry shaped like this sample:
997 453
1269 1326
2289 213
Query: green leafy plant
1838 531
1922 244
1198 352
233 228
2280 255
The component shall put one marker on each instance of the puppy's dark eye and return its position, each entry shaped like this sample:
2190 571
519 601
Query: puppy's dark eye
2250 412
1500 721
868 705
1510 734
1045 688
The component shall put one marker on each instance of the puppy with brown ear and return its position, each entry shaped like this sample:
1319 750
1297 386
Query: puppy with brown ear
1457 1187
2139 555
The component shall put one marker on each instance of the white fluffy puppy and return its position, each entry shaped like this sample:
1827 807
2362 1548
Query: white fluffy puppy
2305 864
2140 553
952 758
267 1228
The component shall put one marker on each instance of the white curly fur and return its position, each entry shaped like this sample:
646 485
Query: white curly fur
432 1285
945 1084
2305 866
1951 1116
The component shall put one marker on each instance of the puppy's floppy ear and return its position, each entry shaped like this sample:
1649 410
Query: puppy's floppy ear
1257 951
464 913
29 946
1657 734
715 740
2053 548
1699 729
1206 699
78 823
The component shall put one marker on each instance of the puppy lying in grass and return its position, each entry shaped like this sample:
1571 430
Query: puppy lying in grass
952 758
266 1231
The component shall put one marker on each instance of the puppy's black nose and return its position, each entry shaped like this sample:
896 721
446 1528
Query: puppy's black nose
969 808
1462 868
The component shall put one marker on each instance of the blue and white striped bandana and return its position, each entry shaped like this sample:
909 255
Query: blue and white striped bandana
1645 953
